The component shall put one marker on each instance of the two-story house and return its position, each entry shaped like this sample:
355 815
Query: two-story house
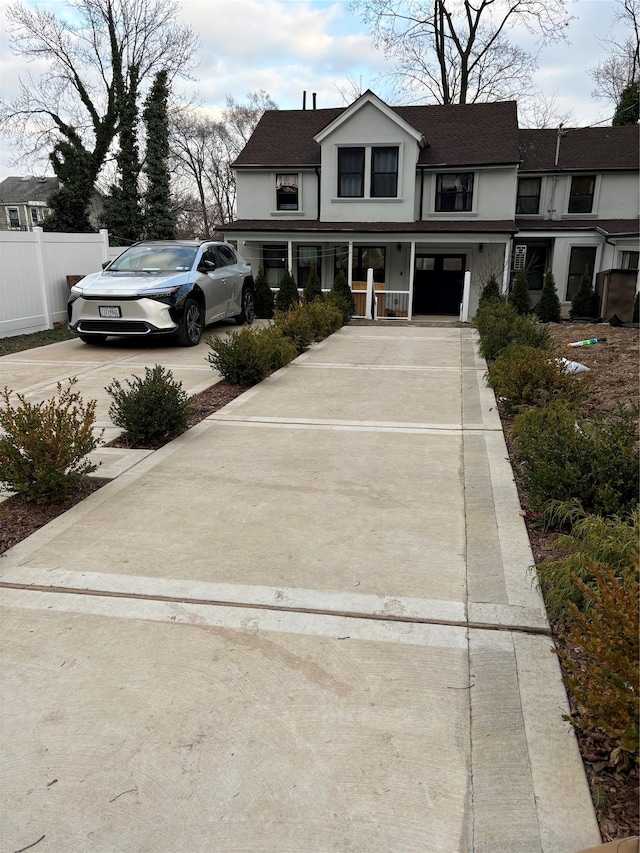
423 194
24 201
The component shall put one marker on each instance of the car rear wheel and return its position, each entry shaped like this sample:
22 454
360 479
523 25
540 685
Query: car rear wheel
93 339
248 308
190 330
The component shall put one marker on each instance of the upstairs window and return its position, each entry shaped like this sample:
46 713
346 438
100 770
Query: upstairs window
384 172
581 195
286 192
351 172
528 200
454 192
14 219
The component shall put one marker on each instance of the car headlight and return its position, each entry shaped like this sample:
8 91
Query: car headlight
160 293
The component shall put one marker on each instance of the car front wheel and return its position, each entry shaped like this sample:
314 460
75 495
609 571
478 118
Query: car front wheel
248 308
190 330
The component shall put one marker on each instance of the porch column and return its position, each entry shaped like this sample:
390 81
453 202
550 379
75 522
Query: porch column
350 269
290 256
507 265
412 273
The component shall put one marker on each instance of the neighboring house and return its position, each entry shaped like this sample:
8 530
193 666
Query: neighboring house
422 194
24 203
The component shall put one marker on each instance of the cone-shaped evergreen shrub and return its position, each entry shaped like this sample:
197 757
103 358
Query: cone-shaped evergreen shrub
287 296
548 309
313 289
263 296
636 311
342 296
584 302
519 296
490 292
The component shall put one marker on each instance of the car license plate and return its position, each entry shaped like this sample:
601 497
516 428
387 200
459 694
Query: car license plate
110 311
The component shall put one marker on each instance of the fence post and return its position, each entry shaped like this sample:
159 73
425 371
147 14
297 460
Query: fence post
105 244
46 305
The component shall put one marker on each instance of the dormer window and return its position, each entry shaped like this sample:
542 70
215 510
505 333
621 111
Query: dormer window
351 172
581 196
528 201
384 172
286 192
454 192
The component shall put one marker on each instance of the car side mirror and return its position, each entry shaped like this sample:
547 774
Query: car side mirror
206 265
105 264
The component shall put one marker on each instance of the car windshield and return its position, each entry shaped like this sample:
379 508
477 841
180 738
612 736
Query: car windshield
155 259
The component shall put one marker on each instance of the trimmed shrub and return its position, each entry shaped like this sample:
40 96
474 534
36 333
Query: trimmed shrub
248 356
584 302
43 446
287 296
264 302
325 318
636 310
548 308
500 325
152 409
563 457
605 679
526 376
605 542
490 292
519 296
313 289
342 297
295 325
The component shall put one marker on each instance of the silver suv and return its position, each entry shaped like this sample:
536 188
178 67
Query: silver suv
163 288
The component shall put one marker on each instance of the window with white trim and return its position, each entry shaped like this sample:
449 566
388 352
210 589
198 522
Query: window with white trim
14 218
454 192
287 192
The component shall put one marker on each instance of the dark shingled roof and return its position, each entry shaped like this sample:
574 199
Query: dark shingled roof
422 227
611 226
457 135
21 190
581 148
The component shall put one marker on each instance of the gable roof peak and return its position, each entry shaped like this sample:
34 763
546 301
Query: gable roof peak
370 97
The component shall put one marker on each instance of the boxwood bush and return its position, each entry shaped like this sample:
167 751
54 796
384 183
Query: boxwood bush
151 409
44 446
248 356
499 325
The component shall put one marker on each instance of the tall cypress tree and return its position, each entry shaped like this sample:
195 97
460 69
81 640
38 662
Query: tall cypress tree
122 214
548 308
160 220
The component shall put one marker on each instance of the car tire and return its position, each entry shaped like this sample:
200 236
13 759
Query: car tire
97 340
248 312
190 330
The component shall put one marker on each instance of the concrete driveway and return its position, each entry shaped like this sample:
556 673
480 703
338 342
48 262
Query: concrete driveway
305 625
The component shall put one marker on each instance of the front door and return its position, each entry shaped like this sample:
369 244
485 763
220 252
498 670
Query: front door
438 283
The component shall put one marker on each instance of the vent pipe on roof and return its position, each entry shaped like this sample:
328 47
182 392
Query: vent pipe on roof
304 100
314 100
561 133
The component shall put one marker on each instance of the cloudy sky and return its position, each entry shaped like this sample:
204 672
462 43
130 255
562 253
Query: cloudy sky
288 46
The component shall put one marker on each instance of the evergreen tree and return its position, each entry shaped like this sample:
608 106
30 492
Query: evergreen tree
264 296
584 302
160 219
342 296
122 214
313 289
628 108
548 309
490 292
519 296
287 296
75 169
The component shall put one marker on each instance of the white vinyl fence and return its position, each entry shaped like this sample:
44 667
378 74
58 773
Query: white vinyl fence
34 266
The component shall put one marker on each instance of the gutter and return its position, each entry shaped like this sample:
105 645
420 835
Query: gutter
318 191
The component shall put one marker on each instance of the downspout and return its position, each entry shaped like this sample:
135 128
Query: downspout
421 192
318 191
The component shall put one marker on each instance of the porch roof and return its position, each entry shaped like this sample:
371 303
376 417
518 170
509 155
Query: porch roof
612 227
312 226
